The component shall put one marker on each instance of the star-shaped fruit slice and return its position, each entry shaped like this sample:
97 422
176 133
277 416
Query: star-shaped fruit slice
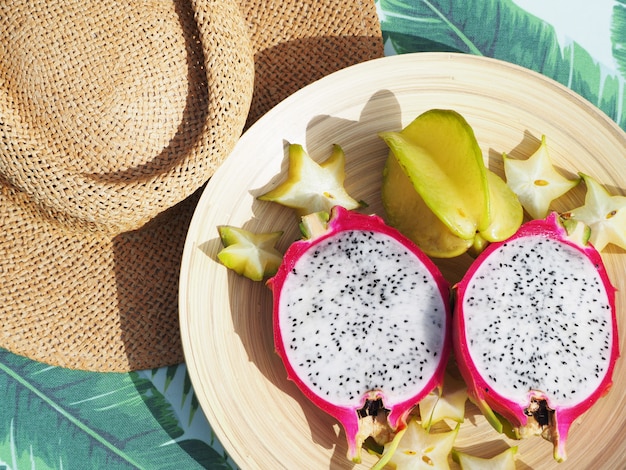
450 404
414 448
603 213
503 461
311 186
249 254
535 181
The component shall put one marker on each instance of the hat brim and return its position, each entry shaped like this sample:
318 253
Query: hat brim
84 299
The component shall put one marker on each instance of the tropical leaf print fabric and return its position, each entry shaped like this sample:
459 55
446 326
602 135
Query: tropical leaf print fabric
53 418
505 30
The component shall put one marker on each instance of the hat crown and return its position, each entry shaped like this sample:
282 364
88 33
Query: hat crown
103 106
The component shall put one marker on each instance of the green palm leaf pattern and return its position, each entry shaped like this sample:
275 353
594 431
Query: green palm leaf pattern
54 418
618 35
502 30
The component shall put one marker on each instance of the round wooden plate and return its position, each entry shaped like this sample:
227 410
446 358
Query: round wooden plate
260 417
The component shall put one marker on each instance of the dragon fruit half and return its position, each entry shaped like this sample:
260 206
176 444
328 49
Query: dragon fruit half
361 322
535 331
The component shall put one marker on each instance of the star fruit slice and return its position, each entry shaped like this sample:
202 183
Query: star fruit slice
313 187
249 254
435 180
449 404
603 213
503 461
414 448
535 181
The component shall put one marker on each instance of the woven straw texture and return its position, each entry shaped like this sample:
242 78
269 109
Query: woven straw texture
298 42
112 117
107 115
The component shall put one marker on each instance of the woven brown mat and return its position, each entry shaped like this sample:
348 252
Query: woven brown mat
112 117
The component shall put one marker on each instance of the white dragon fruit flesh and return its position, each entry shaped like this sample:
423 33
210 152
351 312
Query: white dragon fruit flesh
361 322
535 331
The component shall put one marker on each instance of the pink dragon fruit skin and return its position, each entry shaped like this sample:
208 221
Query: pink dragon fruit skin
418 327
506 374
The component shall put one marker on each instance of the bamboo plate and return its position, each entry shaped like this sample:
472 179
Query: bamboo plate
261 418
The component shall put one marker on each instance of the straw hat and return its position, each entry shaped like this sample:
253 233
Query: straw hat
112 117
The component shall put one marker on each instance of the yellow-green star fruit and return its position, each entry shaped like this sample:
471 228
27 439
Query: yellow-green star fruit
535 181
505 460
603 213
505 208
311 186
406 211
449 403
252 255
438 192
414 448
439 153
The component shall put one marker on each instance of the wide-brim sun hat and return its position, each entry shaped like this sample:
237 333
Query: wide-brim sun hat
113 115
